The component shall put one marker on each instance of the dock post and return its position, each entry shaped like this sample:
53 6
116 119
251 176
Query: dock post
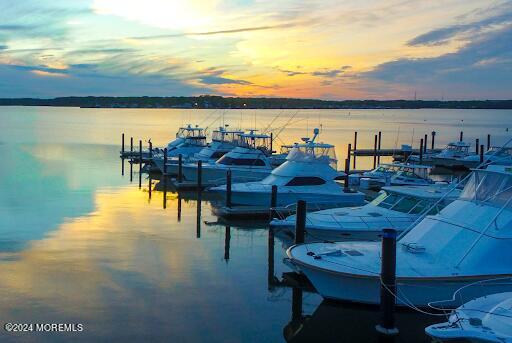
348 154
421 151
345 181
140 164
355 148
271 142
461 136
481 154
227 241
388 283
375 153
199 175
131 169
425 144
380 141
228 188
180 168
150 149
300 222
165 161
131 145
433 139
273 202
122 145
477 145
488 141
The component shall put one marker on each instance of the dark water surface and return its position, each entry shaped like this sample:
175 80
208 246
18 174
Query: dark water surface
79 243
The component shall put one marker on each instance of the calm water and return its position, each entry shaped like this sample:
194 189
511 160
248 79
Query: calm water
79 243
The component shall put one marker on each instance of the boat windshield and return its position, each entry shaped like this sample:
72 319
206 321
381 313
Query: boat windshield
462 147
405 204
499 151
489 188
225 136
190 132
313 153
254 141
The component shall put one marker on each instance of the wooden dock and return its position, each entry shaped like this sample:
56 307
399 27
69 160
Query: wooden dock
250 211
389 152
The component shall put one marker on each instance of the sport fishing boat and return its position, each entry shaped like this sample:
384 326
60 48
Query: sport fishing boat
309 174
495 155
189 140
484 319
393 174
467 241
396 206
251 160
223 141
451 154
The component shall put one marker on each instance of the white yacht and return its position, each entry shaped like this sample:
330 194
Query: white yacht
495 155
451 154
309 174
393 174
189 140
223 141
251 160
467 241
396 206
485 319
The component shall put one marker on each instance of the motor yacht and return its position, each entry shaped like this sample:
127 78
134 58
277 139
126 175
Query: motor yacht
393 174
451 154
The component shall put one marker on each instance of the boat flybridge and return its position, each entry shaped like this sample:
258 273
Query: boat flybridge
469 240
394 174
223 141
396 206
484 319
449 156
309 174
251 160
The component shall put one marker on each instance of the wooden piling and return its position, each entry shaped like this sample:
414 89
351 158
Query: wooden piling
227 241
131 144
150 149
347 167
477 144
461 136
165 161
140 164
271 142
380 141
228 188
433 139
425 144
481 154
273 202
122 144
355 148
421 151
375 152
180 168
488 141
300 222
349 151
388 283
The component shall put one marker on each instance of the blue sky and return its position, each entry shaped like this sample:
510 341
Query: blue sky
327 49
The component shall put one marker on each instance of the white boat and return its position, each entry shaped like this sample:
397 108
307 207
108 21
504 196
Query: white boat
251 160
309 174
469 240
484 319
393 174
495 155
451 154
396 206
223 141
189 140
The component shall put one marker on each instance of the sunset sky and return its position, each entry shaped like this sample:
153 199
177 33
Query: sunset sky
329 49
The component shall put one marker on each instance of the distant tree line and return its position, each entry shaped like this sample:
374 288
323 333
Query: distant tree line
211 101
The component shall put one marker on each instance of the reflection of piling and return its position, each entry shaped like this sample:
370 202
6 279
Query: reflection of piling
355 148
140 164
273 202
300 222
199 175
180 168
165 162
198 220
150 187
228 188
296 304
165 193
477 145
375 152
270 271
131 169
425 144
488 142
227 240
388 283
433 139
179 207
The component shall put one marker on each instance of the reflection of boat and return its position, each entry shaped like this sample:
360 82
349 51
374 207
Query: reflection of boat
396 207
189 140
309 174
393 174
223 141
485 319
451 154
436 257
250 160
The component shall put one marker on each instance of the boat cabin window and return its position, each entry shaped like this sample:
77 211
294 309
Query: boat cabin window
489 188
306 181
226 160
218 154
